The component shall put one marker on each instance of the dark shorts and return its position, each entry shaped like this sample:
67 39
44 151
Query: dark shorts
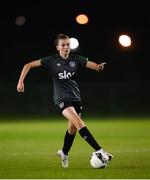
60 106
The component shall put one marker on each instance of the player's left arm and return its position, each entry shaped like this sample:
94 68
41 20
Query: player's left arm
95 66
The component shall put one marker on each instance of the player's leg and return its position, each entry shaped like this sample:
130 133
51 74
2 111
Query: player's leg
71 128
69 137
68 141
73 117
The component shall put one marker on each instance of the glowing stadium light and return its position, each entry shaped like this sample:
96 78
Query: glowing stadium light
20 20
74 43
82 19
125 40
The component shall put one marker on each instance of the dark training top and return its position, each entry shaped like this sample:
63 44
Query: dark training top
63 72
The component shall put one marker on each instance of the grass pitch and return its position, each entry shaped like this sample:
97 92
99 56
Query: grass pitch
28 149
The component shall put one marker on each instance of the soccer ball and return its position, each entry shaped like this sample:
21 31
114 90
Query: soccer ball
97 160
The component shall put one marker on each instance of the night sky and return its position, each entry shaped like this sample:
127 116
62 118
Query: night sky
98 39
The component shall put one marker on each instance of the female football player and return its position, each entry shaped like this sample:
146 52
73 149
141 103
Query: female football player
63 67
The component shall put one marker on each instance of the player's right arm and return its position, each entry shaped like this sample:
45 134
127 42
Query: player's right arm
24 72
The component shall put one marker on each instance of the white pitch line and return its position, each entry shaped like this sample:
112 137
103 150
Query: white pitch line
49 153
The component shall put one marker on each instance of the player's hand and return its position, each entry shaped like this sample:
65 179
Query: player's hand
101 66
20 87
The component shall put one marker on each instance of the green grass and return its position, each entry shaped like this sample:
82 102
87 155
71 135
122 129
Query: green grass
28 149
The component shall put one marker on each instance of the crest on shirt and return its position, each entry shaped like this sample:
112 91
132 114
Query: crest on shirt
61 105
72 64
58 64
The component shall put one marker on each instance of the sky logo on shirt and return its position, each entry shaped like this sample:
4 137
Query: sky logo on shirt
65 75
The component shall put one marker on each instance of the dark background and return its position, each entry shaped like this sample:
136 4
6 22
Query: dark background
122 88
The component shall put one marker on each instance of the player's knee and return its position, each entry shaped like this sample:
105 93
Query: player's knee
80 124
72 131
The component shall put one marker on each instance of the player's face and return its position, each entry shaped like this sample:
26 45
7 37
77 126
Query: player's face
64 46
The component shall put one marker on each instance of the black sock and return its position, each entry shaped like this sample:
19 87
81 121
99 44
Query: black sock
84 132
68 141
